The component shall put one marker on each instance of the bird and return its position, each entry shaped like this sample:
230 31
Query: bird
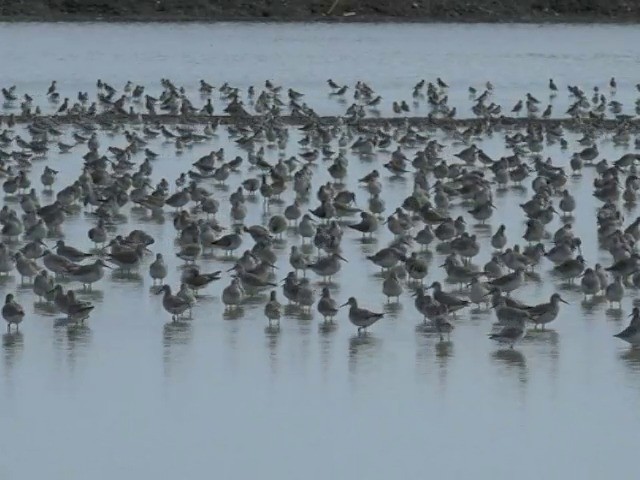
361 317
544 313
194 279
510 334
631 334
327 306
12 312
273 309
158 269
173 304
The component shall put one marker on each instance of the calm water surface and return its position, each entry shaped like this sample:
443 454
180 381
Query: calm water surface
133 396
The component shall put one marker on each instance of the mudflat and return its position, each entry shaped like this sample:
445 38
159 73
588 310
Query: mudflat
574 11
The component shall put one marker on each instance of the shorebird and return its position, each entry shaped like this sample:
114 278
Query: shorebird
570 269
88 274
127 259
387 257
26 267
614 292
12 312
195 280
625 267
58 264
590 283
367 225
631 334
42 285
158 269
77 310
233 294
452 302
327 306
249 279
273 309
327 266
229 243
479 292
509 282
499 239
361 317
173 304
544 313
510 334
391 286
70 253
417 267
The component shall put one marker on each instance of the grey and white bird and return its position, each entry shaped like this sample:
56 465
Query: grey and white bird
88 274
327 306
233 294
158 269
391 286
452 302
273 309
510 334
631 334
12 312
544 313
361 317
173 304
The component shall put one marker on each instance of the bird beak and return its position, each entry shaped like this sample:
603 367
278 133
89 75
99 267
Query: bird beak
42 243
563 301
342 258
344 304
231 269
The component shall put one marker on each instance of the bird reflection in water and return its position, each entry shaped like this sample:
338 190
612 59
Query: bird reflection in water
362 349
272 334
326 330
233 313
12 345
444 351
589 305
631 357
392 309
71 339
125 276
614 314
514 362
546 346
176 337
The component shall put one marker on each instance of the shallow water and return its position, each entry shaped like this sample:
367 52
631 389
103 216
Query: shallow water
134 395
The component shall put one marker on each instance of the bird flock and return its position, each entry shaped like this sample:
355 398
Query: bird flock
310 202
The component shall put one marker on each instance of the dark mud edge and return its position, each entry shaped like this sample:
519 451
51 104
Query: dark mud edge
532 11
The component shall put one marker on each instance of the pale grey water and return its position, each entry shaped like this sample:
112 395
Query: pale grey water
133 396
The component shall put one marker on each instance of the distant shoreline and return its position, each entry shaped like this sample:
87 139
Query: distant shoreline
324 11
